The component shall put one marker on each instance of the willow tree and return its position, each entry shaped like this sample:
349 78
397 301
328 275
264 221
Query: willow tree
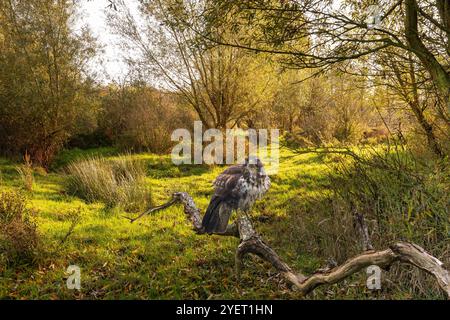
222 84
342 32
404 76
43 88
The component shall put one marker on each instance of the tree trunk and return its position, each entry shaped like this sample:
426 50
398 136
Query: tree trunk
444 12
438 73
412 99
431 138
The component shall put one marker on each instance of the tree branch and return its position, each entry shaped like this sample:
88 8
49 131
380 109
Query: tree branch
251 242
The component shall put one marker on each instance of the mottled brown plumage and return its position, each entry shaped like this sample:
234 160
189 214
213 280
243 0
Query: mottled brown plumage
237 188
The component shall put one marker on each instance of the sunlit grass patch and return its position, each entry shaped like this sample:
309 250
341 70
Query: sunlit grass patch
160 257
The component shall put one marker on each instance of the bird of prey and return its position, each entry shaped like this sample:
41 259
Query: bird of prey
237 188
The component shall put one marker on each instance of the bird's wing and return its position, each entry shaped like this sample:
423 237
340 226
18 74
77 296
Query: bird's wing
224 200
226 183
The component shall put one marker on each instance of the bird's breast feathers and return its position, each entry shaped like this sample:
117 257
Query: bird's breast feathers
250 190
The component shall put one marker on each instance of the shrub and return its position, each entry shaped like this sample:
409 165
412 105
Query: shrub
74 218
19 238
118 182
407 199
401 198
32 115
139 118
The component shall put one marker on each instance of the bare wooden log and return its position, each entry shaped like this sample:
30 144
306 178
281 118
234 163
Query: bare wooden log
417 256
380 258
251 242
402 251
191 210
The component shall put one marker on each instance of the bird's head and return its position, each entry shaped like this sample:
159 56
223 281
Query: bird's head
255 165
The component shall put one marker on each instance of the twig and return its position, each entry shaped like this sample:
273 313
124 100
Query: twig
151 210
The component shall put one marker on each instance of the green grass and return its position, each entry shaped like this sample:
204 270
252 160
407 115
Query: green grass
117 183
160 257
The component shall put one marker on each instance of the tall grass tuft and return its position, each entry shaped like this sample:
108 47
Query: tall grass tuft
26 172
117 183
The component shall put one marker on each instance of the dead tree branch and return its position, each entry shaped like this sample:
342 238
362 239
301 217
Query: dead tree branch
251 242
361 226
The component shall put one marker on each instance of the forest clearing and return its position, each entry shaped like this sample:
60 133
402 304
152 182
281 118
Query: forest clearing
160 257
215 149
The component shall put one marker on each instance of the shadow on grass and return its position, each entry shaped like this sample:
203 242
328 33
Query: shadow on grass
167 169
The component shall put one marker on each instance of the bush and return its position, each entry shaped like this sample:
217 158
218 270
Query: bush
19 238
32 116
406 198
139 118
401 198
118 182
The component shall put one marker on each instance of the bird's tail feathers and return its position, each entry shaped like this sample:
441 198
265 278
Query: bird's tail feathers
216 216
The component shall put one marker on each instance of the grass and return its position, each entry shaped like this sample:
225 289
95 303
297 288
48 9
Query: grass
159 257
26 173
117 183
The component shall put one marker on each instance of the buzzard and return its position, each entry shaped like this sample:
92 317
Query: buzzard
237 188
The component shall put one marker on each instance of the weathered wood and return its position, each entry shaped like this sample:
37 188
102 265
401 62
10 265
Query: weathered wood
417 256
251 242
402 251
191 211
361 225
